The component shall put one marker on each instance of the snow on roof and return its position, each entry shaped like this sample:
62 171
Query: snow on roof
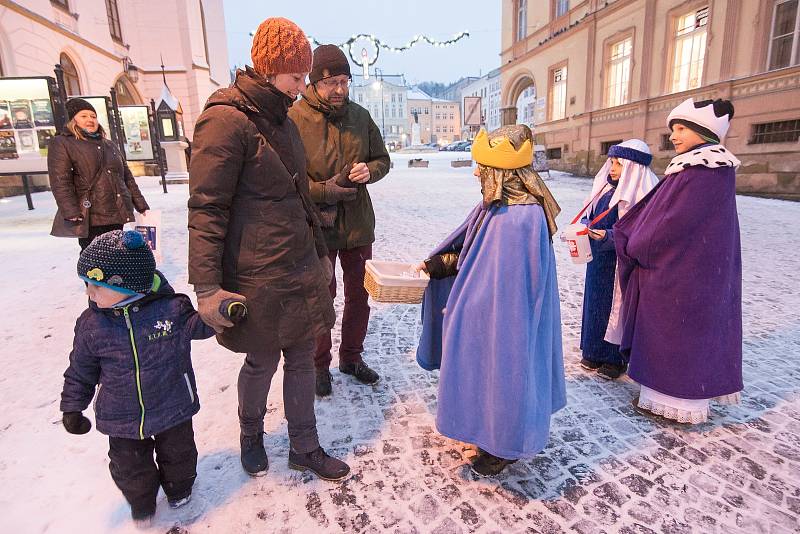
415 93
169 99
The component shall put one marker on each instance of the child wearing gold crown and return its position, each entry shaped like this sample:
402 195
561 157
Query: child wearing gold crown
498 346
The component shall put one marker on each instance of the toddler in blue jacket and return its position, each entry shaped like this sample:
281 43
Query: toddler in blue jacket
133 344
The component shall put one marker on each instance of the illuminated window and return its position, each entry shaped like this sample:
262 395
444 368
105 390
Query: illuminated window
618 72
558 94
690 50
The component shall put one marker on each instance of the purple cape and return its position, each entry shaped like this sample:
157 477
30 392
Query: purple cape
680 267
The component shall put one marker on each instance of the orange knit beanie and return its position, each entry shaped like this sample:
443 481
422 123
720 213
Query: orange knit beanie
280 47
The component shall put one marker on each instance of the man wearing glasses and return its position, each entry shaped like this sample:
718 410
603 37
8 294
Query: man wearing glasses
345 153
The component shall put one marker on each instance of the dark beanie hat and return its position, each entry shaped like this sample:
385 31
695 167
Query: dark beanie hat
119 260
74 105
329 60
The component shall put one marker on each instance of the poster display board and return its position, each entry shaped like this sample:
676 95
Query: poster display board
27 124
136 133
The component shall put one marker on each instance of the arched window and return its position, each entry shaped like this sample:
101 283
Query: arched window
72 83
126 94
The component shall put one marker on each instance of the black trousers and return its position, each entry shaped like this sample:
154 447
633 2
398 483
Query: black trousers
95 231
138 476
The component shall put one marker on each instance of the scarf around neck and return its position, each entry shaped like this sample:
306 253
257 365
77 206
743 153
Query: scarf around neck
268 99
316 102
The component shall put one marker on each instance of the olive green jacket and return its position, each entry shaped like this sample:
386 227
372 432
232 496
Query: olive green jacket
335 139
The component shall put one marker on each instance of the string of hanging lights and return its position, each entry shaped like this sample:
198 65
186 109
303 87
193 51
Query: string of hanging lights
366 60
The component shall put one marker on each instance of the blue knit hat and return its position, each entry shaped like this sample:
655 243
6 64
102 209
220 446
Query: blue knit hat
119 260
632 149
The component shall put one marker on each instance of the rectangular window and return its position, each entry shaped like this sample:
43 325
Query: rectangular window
783 41
666 144
553 153
775 132
690 50
605 145
113 20
618 72
562 7
522 19
558 94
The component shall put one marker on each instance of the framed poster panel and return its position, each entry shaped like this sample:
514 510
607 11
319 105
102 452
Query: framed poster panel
136 133
472 111
27 123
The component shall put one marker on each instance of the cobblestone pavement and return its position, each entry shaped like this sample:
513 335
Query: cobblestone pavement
605 469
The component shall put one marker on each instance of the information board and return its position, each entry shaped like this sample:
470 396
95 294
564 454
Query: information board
472 111
136 133
27 124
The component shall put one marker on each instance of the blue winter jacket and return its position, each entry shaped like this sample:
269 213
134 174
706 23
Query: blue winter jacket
139 359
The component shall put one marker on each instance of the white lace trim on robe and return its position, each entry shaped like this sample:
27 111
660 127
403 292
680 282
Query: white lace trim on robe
691 411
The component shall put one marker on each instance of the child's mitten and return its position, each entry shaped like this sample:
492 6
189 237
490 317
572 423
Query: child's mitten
76 423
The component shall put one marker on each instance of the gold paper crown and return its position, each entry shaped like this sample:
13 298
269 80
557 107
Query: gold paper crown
503 155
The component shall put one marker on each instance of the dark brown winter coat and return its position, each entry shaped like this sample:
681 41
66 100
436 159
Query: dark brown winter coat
335 139
73 165
251 222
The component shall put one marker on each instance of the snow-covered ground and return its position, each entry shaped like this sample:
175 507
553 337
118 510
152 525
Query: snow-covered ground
606 469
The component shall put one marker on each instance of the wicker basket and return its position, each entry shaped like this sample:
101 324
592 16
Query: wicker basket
384 281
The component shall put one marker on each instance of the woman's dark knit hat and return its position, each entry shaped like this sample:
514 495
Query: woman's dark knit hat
76 105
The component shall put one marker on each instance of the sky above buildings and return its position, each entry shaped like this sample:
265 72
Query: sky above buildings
394 23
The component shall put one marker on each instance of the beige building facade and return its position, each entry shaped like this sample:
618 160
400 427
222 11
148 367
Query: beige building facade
446 121
120 43
419 111
605 71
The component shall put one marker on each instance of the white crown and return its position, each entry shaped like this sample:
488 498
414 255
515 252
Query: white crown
702 116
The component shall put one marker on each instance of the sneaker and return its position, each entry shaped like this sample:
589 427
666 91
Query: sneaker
324 466
489 465
590 365
181 501
361 372
324 387
612 371
254 457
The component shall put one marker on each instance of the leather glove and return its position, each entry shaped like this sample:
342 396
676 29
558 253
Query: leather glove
327 268
76 423
209 299
333 193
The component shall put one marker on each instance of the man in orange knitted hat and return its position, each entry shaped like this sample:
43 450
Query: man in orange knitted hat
254 236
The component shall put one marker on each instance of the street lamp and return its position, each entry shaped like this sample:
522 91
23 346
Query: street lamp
379 84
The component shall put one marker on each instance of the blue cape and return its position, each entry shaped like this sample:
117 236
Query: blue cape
494 330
